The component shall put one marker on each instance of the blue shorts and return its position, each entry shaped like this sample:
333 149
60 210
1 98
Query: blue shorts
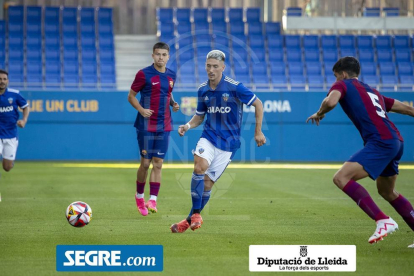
153 144
380 158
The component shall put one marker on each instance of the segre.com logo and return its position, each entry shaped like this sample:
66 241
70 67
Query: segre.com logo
109 258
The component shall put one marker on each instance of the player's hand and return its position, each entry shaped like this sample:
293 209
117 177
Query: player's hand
315 118
182 129
21 123
146 113
260 139
176 107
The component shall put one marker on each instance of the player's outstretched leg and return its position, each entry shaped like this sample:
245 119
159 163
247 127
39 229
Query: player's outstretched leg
141 206
384 227
180 227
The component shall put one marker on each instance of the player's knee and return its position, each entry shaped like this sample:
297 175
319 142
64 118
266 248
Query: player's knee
157 165
339 181
198 169
145 166
7 167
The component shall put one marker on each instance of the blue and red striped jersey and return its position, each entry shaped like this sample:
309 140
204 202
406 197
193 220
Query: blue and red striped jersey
155 88
367 109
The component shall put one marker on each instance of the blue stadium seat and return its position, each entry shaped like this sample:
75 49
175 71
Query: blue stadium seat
2 27
405 68
277 68
348 52
200 14
371 80
255 28
88 54
256 41
293 41
277 56
259 69
52 41
187 68
241 70
347 42
389 82
182 14
52 54
297 82
402 55
311 42
390 11
279 82
87 15
383 42
387 68
330 79
34 54
89 68
69 28
366 55
187 80
89 80
237 28
275 41
235 15
16 55
201 27
106 42
315 82
15 68
34 68
34 41
330 55
106 56
219 26
70 41
52 29
51 15
272 28
406 83
106 29
15 41
108 81
261 81
165 15
203 39
69 15
294 11
105 16
88 41
239 56
402 42
15 13
16 79
87 28
185 41
329 42
186 55
109 69
368 68
258 55
166 28
252 15
71 67
328 67
221 41
217 14
313 68
293 55
372 12
33 15
295 68
183 28
34 80
34 30
365 42
15 28
71 81
312 54
384 55
239 41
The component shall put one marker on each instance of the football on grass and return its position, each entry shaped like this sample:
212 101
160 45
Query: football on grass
79 214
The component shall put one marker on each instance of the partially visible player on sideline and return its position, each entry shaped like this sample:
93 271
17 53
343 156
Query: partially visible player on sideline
10 101
383 145
222 98
153 122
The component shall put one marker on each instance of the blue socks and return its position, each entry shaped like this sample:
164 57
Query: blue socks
197 189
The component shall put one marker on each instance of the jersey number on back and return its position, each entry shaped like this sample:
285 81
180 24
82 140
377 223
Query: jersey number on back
375 102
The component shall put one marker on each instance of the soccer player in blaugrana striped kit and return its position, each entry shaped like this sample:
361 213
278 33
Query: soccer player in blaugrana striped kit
153 122
383 145
222 99
10 101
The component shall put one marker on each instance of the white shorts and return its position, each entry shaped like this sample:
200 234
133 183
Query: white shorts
217 159
8 148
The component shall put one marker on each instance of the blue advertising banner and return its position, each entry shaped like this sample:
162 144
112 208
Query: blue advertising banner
99 126
109 258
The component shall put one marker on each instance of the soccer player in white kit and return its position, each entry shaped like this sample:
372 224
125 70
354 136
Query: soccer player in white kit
10 101
222 98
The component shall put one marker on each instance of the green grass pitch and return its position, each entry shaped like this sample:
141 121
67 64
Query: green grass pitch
249 207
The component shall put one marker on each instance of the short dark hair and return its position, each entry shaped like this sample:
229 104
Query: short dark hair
161 45
4 72
349 65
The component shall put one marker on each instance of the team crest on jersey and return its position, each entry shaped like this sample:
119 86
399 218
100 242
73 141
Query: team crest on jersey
225 97
201 150
188 105
171 83
144 152
10 100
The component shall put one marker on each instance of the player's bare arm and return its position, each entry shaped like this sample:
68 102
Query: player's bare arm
22 123
402 108
193 123
327 105
258 134
174 104
132 99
